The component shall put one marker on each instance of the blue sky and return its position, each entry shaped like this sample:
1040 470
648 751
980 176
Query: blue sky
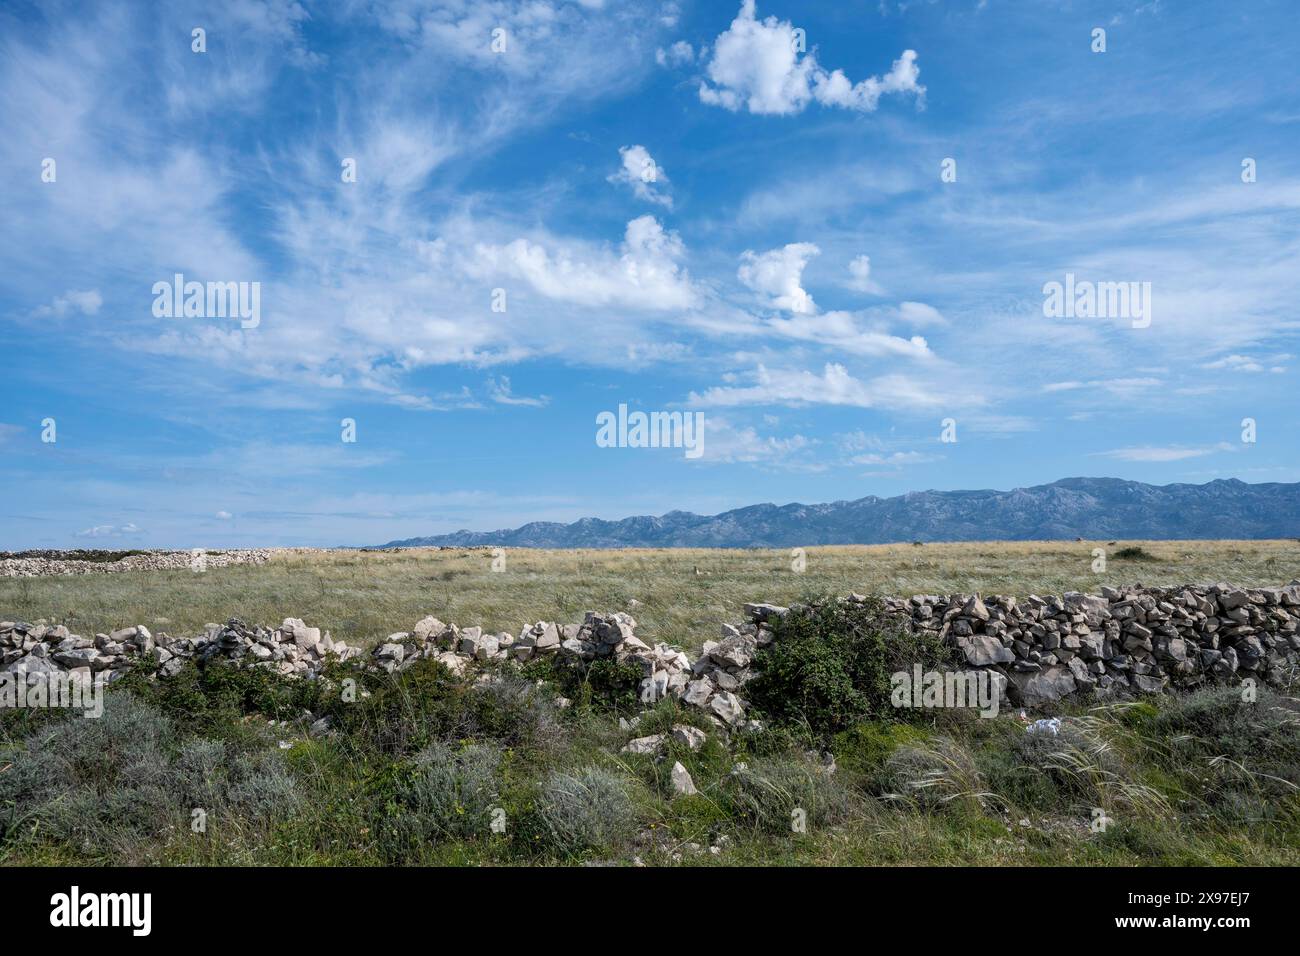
794 266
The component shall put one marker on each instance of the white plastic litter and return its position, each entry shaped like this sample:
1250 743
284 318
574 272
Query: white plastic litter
1046 726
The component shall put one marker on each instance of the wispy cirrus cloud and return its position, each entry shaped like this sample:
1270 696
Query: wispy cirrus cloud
499 389
1246 363
1156 453
111 531
835 385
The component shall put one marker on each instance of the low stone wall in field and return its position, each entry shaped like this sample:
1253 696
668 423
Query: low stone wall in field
1121 642
38 564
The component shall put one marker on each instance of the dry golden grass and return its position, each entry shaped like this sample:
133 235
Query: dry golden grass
682 595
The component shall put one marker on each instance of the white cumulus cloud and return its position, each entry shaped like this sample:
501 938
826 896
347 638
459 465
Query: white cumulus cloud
759 66
679 54
645 274
860 276
643 174
734 442
778 274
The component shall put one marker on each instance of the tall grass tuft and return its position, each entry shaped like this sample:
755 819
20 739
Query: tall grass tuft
938 774
772 793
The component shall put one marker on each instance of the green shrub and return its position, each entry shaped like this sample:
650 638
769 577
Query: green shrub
830 668
261 785
586 810
56 777
212 699
104 782
1220 722
444 793
604 684
1135 553
426 704
201 767
774 740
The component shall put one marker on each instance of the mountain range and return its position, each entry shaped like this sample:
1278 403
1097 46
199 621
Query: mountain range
1091 508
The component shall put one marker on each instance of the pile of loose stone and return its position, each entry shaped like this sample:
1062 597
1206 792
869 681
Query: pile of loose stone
293 649
44 564
1121 642
665 669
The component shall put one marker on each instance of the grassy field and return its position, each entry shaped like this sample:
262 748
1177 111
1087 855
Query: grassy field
417 768
682 595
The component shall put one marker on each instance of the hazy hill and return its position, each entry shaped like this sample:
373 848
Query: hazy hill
1072 507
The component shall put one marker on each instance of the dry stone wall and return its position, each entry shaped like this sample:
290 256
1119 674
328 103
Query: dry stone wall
37 564
1121 642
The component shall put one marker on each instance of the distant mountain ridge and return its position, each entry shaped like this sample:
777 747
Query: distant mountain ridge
1072 507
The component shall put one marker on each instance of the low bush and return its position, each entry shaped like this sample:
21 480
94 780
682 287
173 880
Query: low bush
426 704
1134 553
1222 721
212 699
603 685
831 667
863 749
99 783
1074 770
587 810
260 785
444 793
1241 755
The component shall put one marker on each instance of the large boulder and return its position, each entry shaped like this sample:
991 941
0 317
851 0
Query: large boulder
1045 686
984 651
